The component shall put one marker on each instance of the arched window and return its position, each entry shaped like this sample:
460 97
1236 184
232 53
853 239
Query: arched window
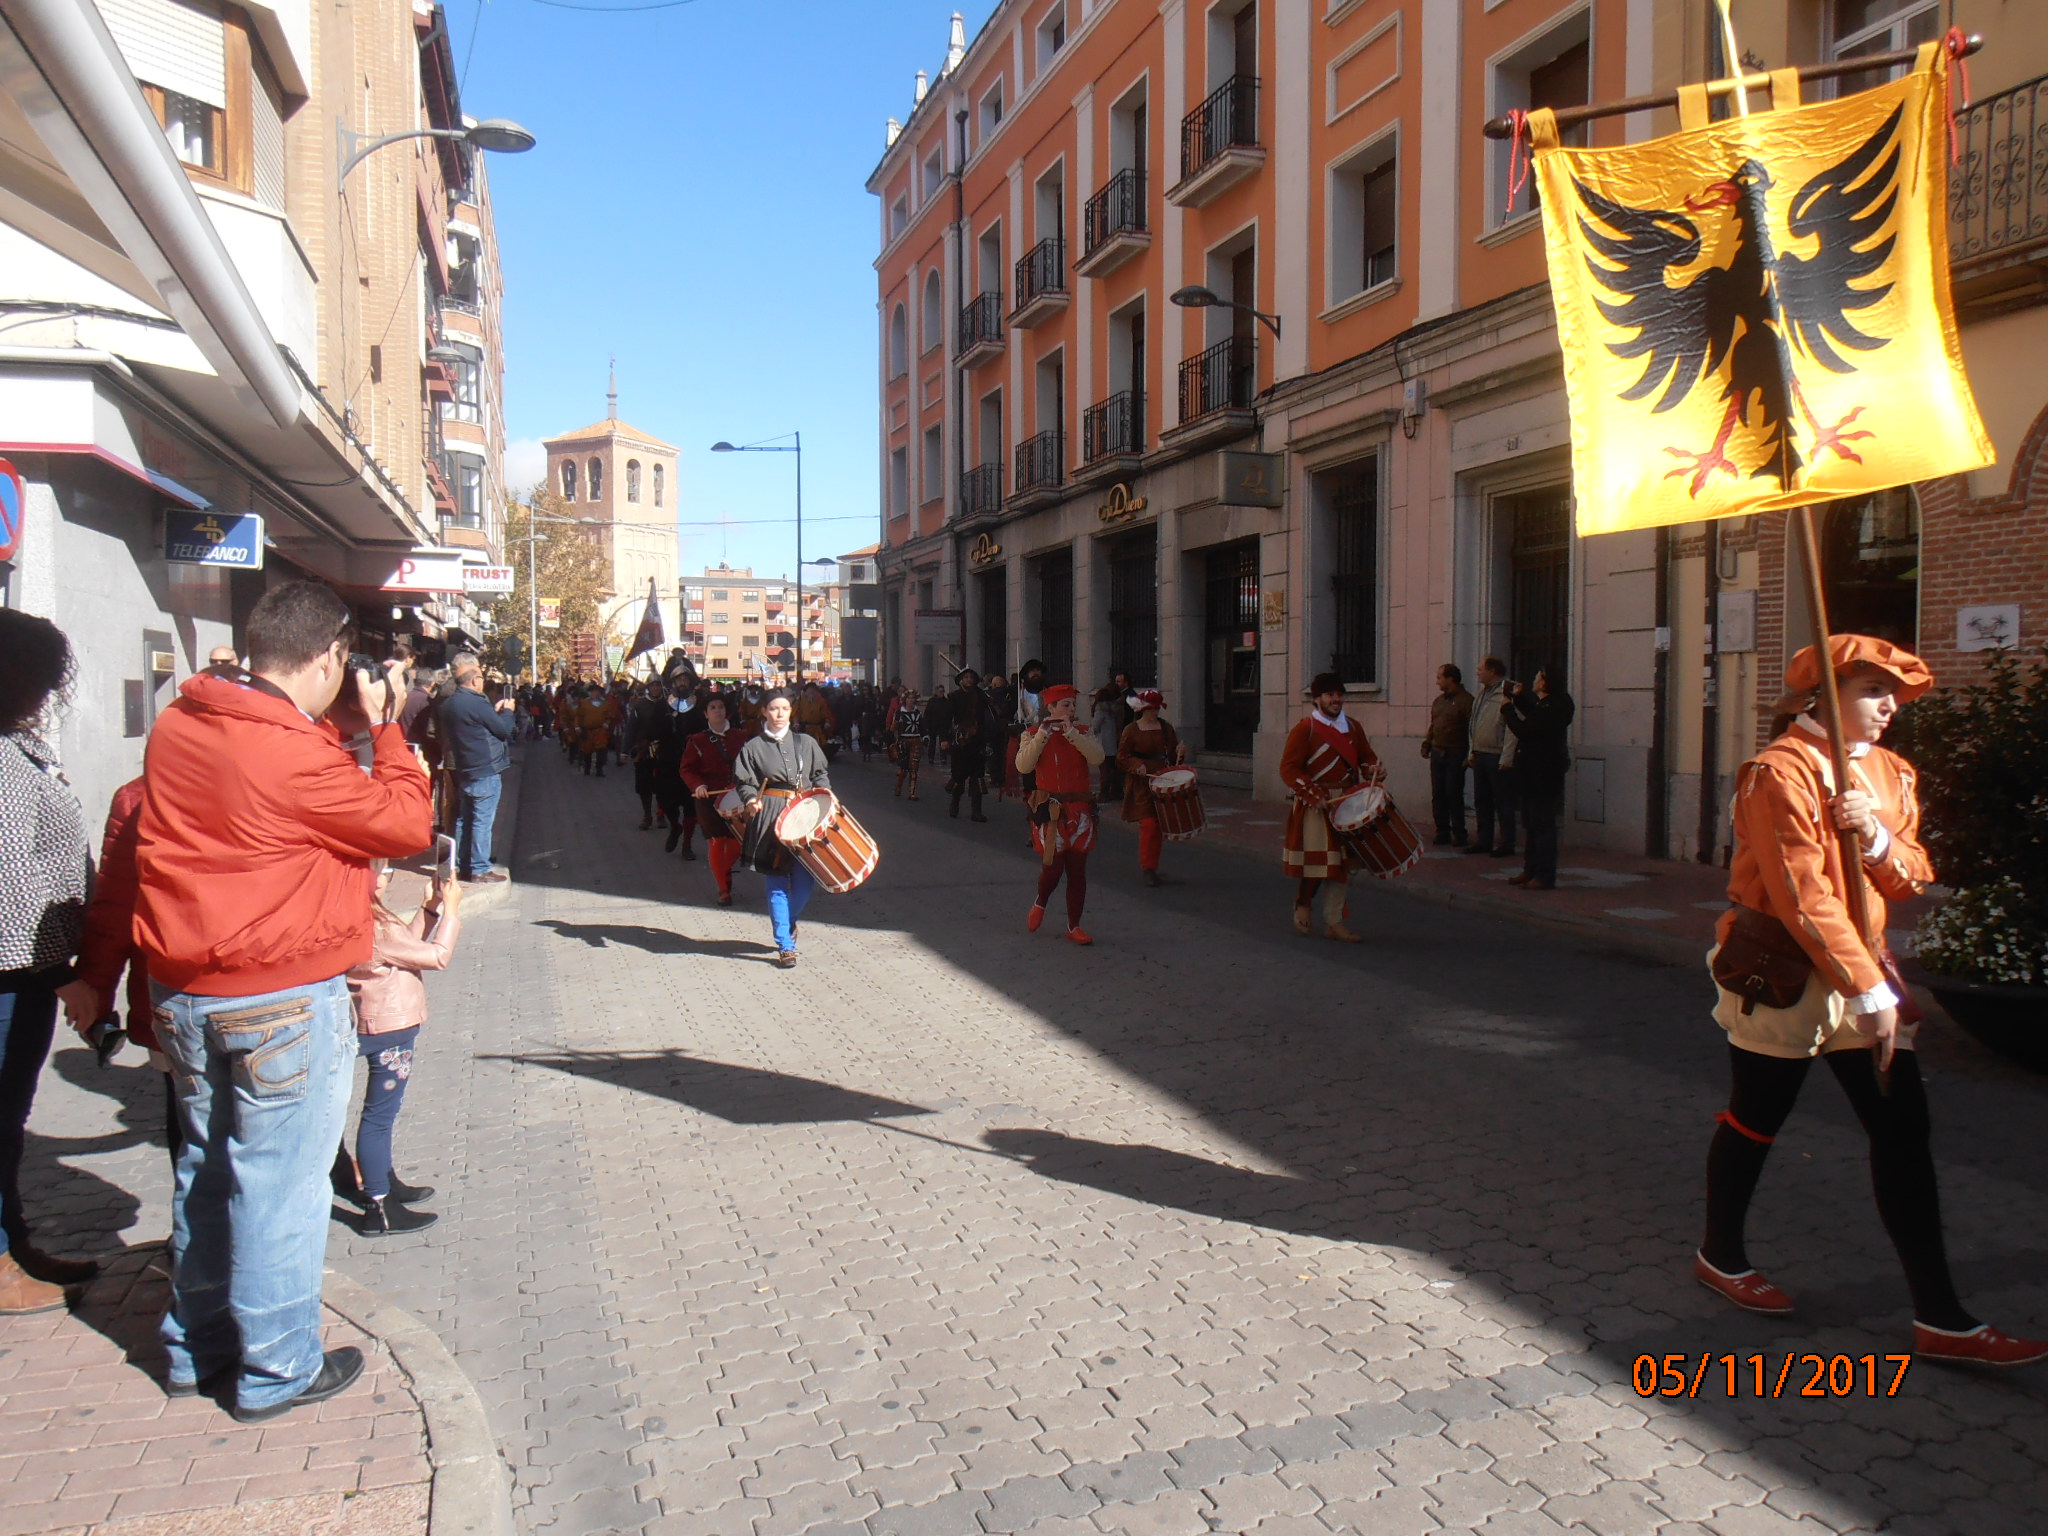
659 477
1870 561
596 479
899 343
932 327
568 479
632 479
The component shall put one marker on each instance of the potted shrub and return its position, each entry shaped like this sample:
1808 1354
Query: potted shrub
1982 757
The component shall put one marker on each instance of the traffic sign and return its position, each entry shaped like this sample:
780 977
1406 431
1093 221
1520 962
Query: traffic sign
13 509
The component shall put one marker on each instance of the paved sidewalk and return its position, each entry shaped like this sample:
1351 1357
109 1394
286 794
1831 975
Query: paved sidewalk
89 1442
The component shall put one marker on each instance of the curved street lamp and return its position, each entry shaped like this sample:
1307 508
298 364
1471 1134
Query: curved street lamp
1194 296
499 135
796 448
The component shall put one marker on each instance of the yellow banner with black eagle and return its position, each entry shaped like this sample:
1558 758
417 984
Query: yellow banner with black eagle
1755 313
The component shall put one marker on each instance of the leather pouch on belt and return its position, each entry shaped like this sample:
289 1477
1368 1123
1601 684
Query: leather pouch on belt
1760 962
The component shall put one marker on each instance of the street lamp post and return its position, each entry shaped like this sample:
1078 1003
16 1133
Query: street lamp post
496 134
798 449
531 538
1195 297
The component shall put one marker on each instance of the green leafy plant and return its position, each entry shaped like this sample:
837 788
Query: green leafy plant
1982 758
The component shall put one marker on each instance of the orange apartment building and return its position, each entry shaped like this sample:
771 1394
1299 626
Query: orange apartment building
1371 473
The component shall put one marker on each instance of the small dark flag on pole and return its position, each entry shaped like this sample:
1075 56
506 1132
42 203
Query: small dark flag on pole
650 635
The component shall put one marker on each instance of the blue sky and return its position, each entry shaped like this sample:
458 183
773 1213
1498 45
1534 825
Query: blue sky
697 206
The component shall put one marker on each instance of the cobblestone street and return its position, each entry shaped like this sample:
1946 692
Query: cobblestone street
1206 1228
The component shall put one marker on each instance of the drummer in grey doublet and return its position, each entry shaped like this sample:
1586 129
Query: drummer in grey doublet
772 769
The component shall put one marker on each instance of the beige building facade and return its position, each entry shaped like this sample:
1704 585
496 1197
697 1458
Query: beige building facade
621 482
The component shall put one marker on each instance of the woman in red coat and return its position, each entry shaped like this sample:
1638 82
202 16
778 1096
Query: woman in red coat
707 769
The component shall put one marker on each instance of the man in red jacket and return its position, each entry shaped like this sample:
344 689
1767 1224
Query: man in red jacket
252 905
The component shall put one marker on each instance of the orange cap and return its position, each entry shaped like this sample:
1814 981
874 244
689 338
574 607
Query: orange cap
1057 692
1846 650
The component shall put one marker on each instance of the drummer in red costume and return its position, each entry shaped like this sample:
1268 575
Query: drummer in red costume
1064 757
1148 746
707 768
1326 755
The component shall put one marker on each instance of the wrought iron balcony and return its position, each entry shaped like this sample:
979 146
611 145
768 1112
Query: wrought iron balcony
1114 429
1117 209
981 328
1998 190
1219 141
1041 282
1041 462
1223 378
981 489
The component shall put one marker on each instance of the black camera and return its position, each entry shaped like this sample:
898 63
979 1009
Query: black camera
358 662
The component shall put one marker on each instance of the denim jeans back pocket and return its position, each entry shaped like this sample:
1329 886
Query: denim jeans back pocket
269 1045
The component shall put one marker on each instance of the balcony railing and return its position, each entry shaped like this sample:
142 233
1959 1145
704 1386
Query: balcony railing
1227 120
1042 270
1118 209
981 321
1998 192
981 489
1041 462
1220 379
1115 428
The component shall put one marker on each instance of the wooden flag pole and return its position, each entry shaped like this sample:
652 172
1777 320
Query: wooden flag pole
1831 716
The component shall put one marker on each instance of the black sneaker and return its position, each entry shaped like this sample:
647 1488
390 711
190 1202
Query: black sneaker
409 1194
338 1372
388 1218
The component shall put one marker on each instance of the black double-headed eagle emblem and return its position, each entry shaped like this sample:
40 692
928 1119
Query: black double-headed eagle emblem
1740 320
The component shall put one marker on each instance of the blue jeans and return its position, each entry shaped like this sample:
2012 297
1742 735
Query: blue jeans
474 817
390 1059
28 1020
788 894
262 1086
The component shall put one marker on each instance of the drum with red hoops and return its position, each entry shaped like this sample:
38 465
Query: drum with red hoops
832 845
1177 802
1374 832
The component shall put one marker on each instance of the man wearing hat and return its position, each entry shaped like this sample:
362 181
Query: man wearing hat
1326 756
1063 757
1796 980
1147 746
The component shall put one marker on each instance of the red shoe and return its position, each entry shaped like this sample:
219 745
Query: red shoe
1981 1345
1078 936
1037 916
1748 1290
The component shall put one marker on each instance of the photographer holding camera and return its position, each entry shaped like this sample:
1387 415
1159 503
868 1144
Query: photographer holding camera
253 861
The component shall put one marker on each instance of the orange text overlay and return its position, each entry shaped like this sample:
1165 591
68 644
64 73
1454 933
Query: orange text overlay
1787 1375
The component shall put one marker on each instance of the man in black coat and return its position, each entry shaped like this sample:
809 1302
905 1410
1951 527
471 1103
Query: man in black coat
976 734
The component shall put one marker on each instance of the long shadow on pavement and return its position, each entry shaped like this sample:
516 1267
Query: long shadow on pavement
741 1095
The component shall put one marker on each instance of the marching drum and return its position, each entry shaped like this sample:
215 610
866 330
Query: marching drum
832 845
1374 833
733 809
1177 802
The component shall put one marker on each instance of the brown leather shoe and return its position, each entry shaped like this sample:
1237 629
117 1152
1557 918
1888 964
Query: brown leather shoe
21 1293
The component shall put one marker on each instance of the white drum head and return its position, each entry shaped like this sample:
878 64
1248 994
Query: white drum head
1174 780
1359 807
730 804
803 818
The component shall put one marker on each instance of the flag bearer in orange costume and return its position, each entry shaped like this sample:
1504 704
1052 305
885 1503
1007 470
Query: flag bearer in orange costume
1064 756
1326 756
1796 980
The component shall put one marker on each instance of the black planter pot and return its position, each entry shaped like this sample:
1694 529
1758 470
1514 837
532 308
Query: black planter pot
2010 1018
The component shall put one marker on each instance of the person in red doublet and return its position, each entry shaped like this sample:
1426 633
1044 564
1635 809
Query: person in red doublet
1326 757
1064 757
707 769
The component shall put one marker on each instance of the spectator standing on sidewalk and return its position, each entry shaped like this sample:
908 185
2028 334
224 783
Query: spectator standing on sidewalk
475 732
253 859
391 1005
1446 746
223 656
1541 720
1492 762
44 865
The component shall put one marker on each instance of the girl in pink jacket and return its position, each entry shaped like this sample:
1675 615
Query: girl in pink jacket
391 1005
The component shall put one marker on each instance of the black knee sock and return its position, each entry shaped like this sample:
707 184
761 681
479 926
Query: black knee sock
1761 1095
1902 1177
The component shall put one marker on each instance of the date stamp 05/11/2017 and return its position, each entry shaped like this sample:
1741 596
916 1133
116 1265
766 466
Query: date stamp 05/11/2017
1786 1375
